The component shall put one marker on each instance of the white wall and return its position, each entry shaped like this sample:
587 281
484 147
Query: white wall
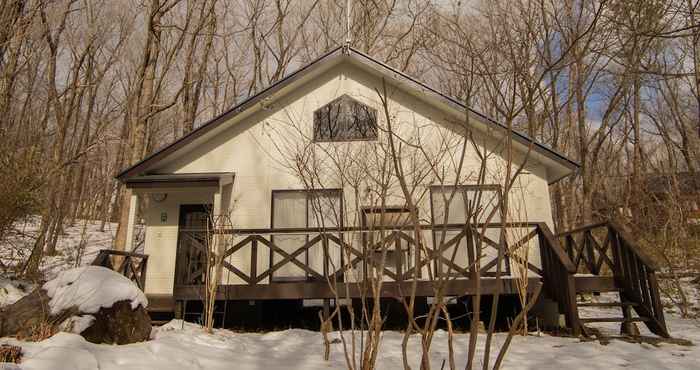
261 150
161 236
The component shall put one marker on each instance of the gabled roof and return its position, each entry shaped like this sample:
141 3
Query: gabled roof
321 64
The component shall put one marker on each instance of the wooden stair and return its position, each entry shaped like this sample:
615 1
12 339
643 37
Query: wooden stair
601 258
606 304
161 308
625 308
613 319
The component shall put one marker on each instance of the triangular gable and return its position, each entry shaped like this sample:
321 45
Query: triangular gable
550 157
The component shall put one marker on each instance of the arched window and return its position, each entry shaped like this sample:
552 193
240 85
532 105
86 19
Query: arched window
345 119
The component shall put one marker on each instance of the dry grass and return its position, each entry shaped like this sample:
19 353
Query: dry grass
11 354
39 332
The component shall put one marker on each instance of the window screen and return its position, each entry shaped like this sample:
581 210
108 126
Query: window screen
345 119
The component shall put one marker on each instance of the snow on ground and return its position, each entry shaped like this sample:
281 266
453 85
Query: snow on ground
91 288
83 233
12 290
180 345
183 345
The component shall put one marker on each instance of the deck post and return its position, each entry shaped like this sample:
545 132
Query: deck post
133 206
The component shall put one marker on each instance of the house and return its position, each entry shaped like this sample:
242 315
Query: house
307 175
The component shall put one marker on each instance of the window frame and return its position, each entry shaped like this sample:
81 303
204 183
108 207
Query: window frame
407 255
466 187
373 113
308 194
439 227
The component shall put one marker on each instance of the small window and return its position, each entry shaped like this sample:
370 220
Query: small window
345 119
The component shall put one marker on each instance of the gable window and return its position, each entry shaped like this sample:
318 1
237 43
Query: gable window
345 119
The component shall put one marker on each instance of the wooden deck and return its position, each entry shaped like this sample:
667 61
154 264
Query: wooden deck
322 290
595 258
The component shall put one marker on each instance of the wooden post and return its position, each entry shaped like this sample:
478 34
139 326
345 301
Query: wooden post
590 255
253 261
399 255
133 207
142 276
470 252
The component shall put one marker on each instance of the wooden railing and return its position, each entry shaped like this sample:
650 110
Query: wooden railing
132 265
606 249
558 277
342 249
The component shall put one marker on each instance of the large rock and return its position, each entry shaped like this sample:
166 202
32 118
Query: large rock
99 304
119 324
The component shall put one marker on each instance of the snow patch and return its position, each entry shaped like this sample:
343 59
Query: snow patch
181 345
91 288
77 324
12 291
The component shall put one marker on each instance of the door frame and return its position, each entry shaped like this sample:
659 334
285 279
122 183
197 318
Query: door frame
178 249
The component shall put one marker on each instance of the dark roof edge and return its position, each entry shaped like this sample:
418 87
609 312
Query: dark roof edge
218 120
521 136
252 100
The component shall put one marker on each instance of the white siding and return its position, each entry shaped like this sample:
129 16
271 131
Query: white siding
261 148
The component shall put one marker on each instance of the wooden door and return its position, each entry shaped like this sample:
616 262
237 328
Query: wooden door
192 242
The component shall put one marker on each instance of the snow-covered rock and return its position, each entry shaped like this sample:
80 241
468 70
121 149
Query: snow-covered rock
91 288
98 303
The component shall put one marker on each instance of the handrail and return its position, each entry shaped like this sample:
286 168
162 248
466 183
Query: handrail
135 271
639 252
122 253
633 272
582 228
314 230
558 277
357 253
556 248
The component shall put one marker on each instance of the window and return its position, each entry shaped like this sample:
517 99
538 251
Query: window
304 209
345 119
399 256
466 203
472 204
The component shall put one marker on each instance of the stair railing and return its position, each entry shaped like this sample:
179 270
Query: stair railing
558 276
132 265
634 273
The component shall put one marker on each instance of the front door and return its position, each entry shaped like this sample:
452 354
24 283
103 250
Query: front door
194 224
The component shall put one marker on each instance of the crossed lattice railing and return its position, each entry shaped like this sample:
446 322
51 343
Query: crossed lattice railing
344 249
606 249
132 265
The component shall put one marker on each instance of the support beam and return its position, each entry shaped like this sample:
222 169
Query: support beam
133 207
216 207
321 290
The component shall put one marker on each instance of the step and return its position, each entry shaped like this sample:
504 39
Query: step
606 304
612 319
160 303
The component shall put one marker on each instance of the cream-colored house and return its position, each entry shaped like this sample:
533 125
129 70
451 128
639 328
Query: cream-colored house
312 155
